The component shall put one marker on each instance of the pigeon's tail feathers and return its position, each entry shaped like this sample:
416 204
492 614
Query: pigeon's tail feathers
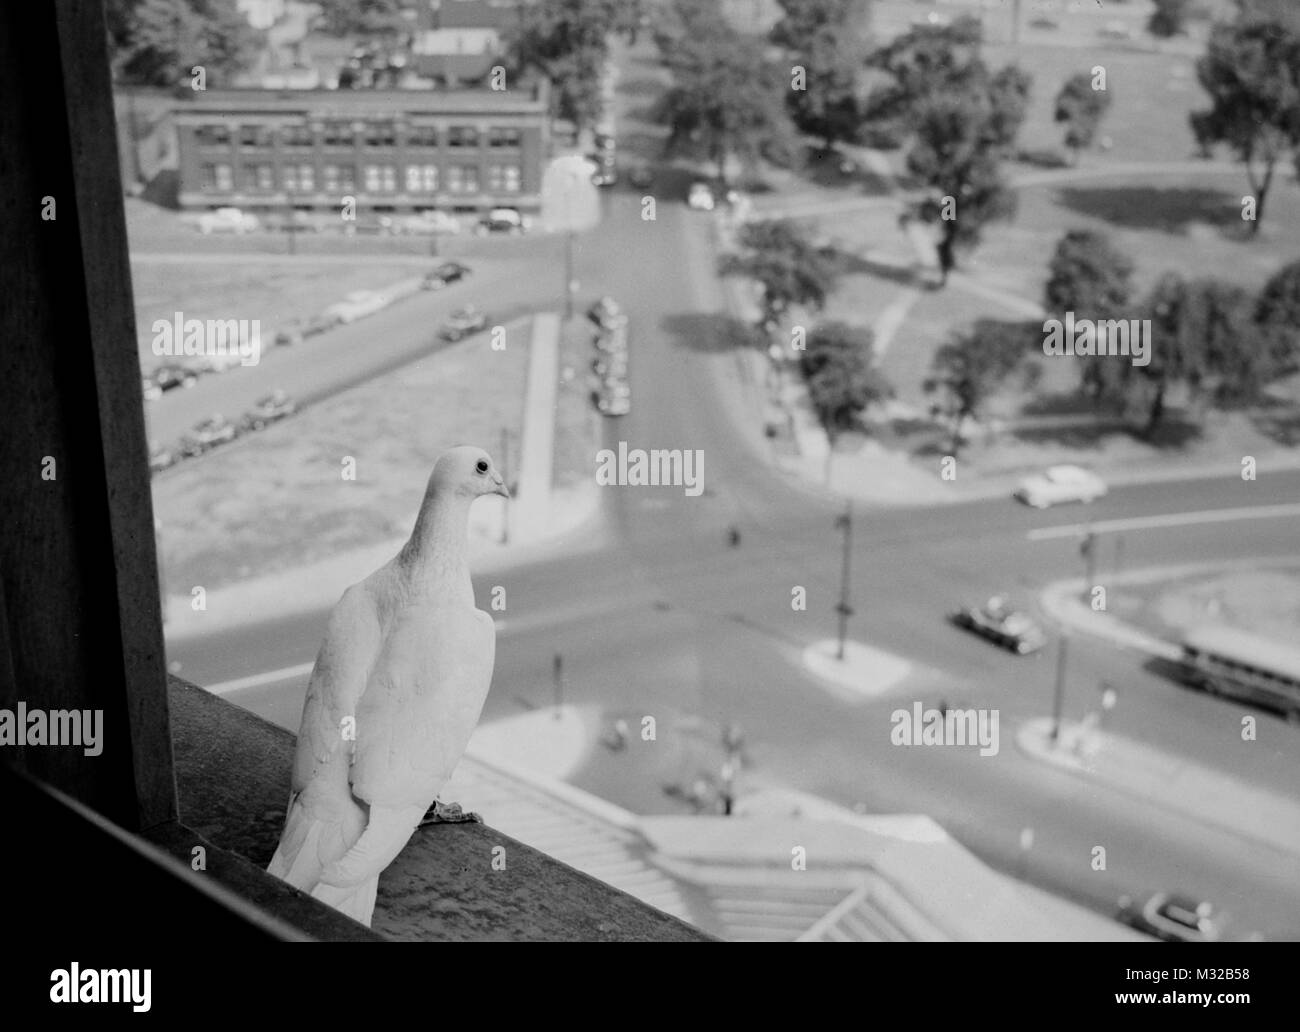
387 832
356 901
313 837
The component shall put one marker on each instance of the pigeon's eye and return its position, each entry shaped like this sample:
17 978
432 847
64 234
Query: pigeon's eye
481 466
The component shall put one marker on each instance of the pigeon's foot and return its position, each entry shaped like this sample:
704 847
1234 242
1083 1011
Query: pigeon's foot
449 813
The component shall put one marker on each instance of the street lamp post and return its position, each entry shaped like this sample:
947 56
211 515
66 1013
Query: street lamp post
843 608
1058 700
557 674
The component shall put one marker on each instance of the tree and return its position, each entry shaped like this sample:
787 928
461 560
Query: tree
783 261
568 42
159 42
826 38
839 368
1201 338
957 153
346 17
1251 70
1088 275
1277 317
967 370
1081 108
924 61
727 99
1169 18
964 120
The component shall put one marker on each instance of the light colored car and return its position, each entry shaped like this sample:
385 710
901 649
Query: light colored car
1057 485
227 220
426 223
357 305
462 323
502 220
1172 917
700 197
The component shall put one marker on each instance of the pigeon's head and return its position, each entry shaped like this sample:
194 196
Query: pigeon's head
469 472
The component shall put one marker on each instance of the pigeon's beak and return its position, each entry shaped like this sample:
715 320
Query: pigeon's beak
500 486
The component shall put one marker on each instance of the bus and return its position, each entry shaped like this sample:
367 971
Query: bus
1240 665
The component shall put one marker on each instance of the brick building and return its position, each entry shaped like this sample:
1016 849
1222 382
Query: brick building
393 150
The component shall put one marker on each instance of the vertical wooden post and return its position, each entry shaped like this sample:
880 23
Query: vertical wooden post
78 570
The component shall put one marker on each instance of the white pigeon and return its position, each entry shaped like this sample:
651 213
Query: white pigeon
398 686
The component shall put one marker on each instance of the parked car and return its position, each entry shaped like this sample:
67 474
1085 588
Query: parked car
357 305
160 458
1116 30
462 323
447 272
150 390
425 223
323 322
275 406
642 177
610 366
228 220
1002 625
605 142
613 340
606 313
207 435
700 197
501 220
605 175
613 400
293 333
1172 917
1059 484
167 376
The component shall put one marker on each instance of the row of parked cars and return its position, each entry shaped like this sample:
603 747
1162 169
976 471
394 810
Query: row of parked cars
431 222
611 392
218 430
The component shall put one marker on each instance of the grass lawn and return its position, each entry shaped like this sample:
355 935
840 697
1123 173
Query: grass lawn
277 499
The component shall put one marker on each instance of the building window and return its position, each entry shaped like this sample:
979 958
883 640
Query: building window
462 178
259 177
421 178
339 178
380 179
503 178
381 134
499 136
462 136
220 178
254 137
298 177
296 136
422 136
339 134
212 136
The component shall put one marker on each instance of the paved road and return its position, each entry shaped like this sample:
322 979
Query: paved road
506 285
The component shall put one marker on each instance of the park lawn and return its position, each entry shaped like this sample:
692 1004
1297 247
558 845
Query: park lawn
1151 94
277 499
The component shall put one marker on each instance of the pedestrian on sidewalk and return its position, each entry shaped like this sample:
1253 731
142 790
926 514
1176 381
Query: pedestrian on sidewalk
733 536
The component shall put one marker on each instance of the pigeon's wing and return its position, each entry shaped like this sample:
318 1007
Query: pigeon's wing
347 655
415 719
421 704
